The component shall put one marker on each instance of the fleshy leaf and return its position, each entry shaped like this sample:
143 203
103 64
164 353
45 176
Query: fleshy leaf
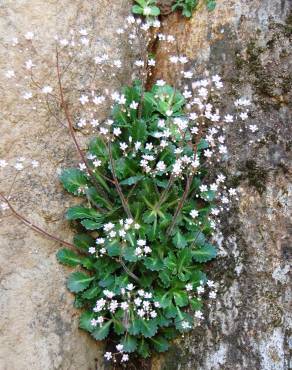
78 281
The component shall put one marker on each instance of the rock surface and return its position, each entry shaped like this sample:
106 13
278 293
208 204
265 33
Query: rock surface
39 328
247 42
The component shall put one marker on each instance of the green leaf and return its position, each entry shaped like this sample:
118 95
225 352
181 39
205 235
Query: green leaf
129 254
78 281
205 253
113 248
80 212
136 9
153 263
73 179
155 11
148 328
101 332
130 343
178 240
211 5
132 180
181 298
83 241
143 348
160 343
91 293
96 199
85 321
98 147
91 225
68 257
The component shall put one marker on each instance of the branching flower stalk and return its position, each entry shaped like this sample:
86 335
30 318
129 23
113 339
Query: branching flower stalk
147 212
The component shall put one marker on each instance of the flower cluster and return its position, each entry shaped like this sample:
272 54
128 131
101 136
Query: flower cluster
149 203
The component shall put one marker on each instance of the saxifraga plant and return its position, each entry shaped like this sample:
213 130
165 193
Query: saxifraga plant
148 202
150 8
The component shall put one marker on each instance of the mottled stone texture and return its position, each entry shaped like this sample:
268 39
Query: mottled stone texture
246 41
249 44
39 326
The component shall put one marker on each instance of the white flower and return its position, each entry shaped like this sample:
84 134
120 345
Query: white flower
232 191
200 289
185 325
153 314
29 64
210 283
47 89
160 82
82 166
169 112
151 62
100 241
216 78
137 301
81 123
100 320
125 358
173 59
108 355
147 295
109 226
134 105
212 295
189 74
141 242
203 188
94 122
93 322
199 315
18 166
220 178
147 250
123 146
208 153
124 305
189 287
34 164
27 95
138 251
108 293
183 60
3 163
83 99
222 149
113 306
10 74
130 287
141 312
194 213
139 63
91 250
119 347
243 116
214 187
253 128
96 163
83 32
29 35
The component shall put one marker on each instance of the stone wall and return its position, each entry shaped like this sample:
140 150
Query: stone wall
39 327
248 43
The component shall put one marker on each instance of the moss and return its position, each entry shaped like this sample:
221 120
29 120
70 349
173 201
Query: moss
250 171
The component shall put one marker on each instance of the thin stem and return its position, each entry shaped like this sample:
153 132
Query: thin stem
117 185
71 129
180 205
32 226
